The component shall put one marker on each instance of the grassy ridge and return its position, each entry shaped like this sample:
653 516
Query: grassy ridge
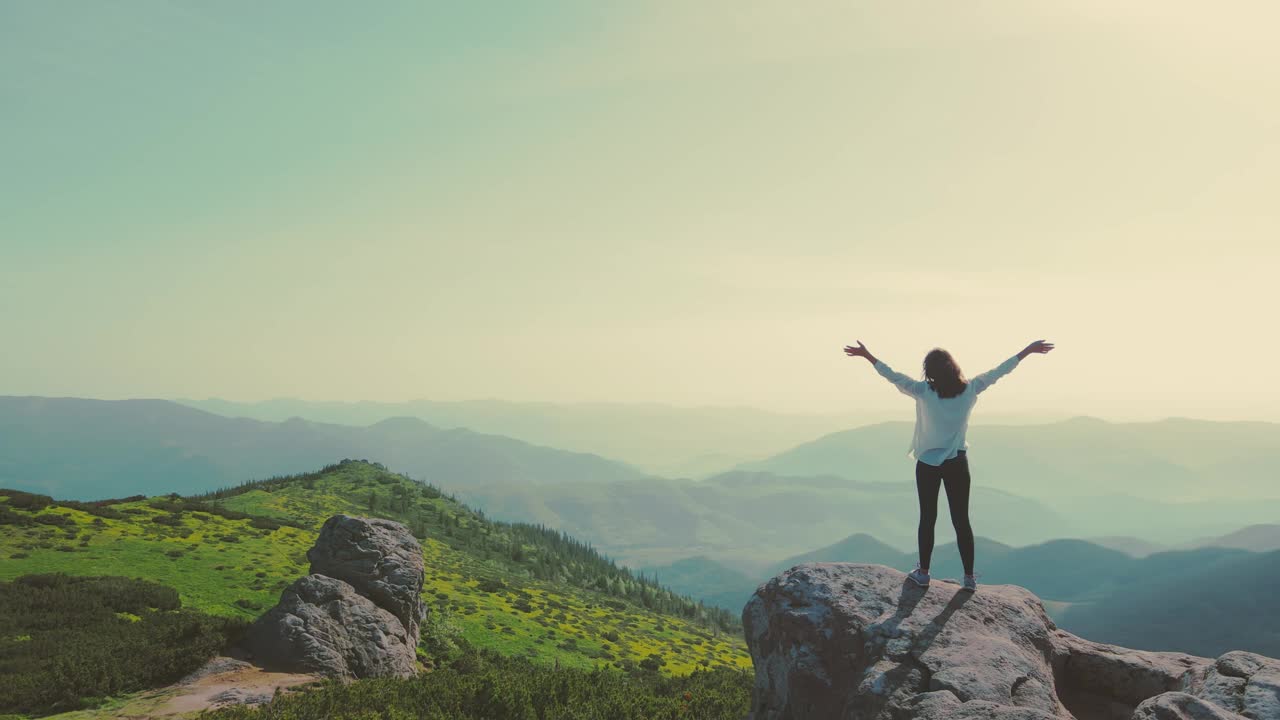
519 549
516 590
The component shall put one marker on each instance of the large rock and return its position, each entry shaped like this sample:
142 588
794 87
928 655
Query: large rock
837 641
357 614
379 558
323 625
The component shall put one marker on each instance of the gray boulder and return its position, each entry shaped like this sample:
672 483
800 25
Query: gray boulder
322 625
850 641
381 559
1244 682
357 614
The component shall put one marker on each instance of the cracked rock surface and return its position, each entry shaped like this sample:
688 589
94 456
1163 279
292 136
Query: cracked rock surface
853 641
380 558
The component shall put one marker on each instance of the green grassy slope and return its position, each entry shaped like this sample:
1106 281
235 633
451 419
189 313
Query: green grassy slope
521 590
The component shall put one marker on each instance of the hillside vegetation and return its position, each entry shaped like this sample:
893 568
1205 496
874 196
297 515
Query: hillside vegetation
66 642
486 685
518 589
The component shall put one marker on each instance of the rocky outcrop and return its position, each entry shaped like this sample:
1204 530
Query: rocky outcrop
357 614
850 641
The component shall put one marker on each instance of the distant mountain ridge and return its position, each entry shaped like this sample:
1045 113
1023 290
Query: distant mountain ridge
667 440
1157 483
1263 537
1260 537
1190 601
746 519
92 449
661 439
1175 459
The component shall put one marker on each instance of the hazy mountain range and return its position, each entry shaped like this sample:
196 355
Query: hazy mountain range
1034 482
746 519
1171 460
660 439
1143 486
1159 482
92 449
1262 537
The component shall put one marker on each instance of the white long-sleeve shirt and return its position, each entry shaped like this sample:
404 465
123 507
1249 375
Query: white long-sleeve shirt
941 422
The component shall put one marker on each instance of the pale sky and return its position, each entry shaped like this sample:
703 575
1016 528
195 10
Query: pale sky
682 202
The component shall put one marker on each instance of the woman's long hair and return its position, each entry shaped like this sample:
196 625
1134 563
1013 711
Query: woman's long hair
943 374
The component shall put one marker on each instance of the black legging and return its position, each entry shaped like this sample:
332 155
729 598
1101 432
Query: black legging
955 473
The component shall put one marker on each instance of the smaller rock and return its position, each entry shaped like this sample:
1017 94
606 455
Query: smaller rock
1245 682
216 666
1181 706
1097 675
237 696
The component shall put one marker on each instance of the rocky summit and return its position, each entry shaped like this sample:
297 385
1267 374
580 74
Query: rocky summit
357 614
849 641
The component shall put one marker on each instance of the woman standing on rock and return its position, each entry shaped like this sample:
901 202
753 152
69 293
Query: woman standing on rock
944 400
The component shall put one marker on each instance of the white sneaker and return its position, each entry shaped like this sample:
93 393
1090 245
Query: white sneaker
919 577
970 583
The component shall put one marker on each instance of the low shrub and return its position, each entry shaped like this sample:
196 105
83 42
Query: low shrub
491 585
9 517
482 684
55 519
26 500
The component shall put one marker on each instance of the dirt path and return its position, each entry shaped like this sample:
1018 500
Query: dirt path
225 681
220 682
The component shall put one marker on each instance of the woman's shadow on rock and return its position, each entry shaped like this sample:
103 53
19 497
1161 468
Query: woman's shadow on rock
910 597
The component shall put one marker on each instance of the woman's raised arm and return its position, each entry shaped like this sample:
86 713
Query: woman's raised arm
988 378
860 351
1038 346
905 385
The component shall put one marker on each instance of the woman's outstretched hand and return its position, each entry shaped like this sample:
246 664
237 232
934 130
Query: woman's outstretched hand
1038 346
860 351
